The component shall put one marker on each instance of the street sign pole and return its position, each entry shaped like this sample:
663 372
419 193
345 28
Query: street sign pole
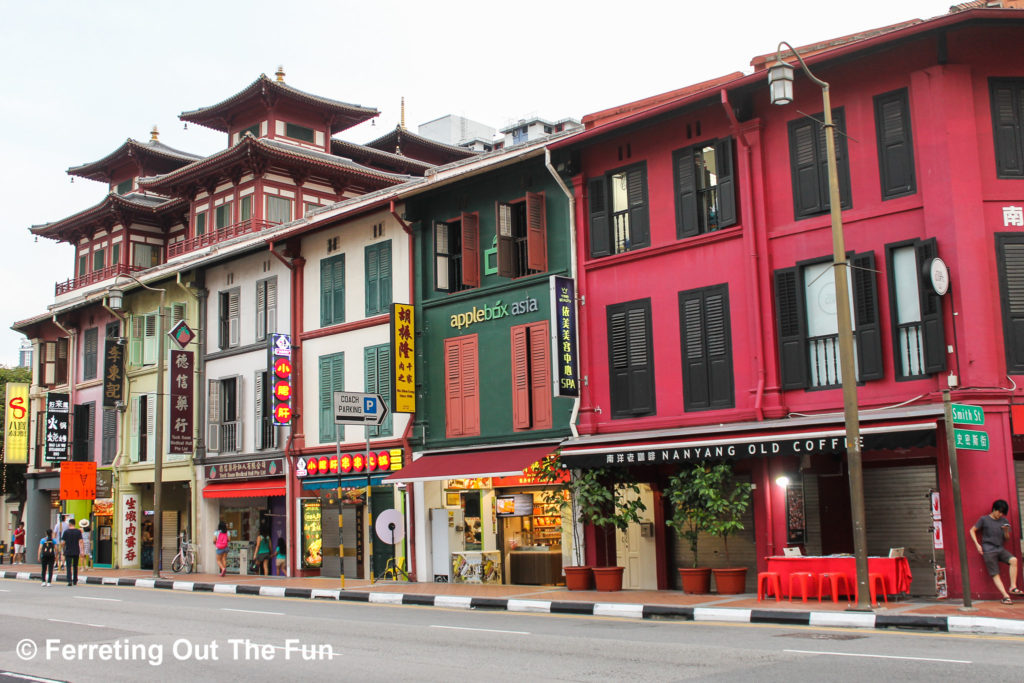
958 508
369 507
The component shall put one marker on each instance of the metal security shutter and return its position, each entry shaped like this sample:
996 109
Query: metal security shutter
898 516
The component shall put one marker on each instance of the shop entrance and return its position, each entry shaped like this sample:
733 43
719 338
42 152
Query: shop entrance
104 540
834 513
530 536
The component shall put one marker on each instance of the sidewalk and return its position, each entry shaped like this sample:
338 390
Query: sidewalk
917 613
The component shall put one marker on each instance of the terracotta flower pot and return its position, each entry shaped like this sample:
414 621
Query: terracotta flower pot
696 580
731 580
608 578
579 578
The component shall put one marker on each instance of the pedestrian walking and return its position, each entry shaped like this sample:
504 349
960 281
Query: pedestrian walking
86 530
46 555
220 541
71 548
282 556
995 530
62 526
19 544
262 556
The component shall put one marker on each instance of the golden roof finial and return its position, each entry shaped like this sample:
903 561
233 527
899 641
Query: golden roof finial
154 134
280 73
403 113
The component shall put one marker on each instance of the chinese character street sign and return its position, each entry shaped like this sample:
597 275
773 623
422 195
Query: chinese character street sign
403 358
971 440
57 419
180 436
113 373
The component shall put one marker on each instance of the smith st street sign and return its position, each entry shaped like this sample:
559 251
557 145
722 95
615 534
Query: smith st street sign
968 415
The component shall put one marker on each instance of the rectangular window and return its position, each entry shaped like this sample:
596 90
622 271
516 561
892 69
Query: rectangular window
47 363
809 165
265 431
279 209
115 254
62 361
332 290
124 187
297 132
809 330
145 255
108 439
332 378
266 307
457 253
90 355
1010 262
377 361
142 432
200 224
1007 96
245 208
228 319
309 207
522 236
462 386
705 188
142 342
224 415
99 260
222 216
84 432
895 146
919 341
83 265
254 130
631 359
707 348
531 376
378 278
618 211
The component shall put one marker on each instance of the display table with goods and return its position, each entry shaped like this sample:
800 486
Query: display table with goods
535 566
476 566
895 570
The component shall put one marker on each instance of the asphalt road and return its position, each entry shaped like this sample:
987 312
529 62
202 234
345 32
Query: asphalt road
101 633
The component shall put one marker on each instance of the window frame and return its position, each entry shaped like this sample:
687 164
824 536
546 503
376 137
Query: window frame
90 357
716 367
525 254
532 388
229 318
200 224
332 290
378 277
601 212
462 386
331 368
266 307
271 199
933 339
819 164
627 395
1014 361
467 257
1008 136
290 130
888 141
690 221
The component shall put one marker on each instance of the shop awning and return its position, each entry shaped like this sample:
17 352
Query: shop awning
505 462
345 481
245 489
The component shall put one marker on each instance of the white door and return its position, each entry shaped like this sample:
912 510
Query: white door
636 551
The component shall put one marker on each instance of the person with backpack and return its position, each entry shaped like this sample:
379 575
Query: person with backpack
47 556
220 541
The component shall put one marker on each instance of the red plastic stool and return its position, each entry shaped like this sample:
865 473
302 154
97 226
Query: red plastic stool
834 581
805 578
874 581
769 580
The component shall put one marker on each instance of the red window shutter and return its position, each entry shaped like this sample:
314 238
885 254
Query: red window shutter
470 387
536 232
453 388
471 249
540 379
506 242
521 418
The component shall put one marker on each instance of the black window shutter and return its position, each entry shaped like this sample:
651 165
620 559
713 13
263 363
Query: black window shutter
631 359
636 192
719 345
695 358
726 183
687 223
932 326
789 309
600 235
1006 128
803 161
895 149
842 167
618 361
1010 258
866 317
707 349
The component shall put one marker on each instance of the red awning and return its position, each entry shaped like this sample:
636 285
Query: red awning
245 489
505 462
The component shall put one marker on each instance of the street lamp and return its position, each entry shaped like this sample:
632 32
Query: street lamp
115 299
780 82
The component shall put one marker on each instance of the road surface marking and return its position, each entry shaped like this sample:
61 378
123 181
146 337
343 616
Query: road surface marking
76 623
85 597
486 630
856 654
26 677
252 611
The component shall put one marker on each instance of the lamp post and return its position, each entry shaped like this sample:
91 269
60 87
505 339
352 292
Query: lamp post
116 299
780 81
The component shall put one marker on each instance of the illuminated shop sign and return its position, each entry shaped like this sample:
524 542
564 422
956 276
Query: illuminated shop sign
349 463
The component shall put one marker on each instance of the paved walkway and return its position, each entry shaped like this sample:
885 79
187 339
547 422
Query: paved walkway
941 615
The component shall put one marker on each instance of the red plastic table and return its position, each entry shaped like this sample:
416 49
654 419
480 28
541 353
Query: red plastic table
896 570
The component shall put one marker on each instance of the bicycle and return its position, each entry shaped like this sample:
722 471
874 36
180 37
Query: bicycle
185 560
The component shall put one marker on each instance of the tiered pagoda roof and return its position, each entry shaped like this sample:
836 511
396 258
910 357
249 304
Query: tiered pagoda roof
403 142
115 209
150 158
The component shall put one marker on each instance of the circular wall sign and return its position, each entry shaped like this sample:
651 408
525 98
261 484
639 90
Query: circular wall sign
939 276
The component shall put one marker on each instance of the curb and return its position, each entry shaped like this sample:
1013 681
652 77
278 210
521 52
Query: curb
945 624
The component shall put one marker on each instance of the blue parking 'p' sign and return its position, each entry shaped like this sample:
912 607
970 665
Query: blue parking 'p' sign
370 405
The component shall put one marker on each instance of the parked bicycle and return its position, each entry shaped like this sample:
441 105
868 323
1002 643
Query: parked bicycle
185 561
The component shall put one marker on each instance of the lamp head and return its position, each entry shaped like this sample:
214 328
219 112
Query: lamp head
780 82
782 480
115 298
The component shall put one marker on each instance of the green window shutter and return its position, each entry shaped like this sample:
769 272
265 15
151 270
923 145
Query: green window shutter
332 290
115 255
200 223
135 340
332 378
372 280
133 435
377 361
385 276
83 264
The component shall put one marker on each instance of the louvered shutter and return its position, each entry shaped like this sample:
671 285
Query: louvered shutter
90 439
234 322
213 416
133 437
536 232
222 320
842 168
506 241
631 359
521 417
470 386
695 357
895 151
470 250
1010 257
803 158
441 256
868 329
332 378
326 292
789 309
108 447
151 445
178 311
90 342
385 276
1006 124
540 375
727 214
618 361
259 396
383 387
688 222
636 194
149 342
261 309
239 414
719 347
453 388
932 325
135 341
372 259
600 233
271 306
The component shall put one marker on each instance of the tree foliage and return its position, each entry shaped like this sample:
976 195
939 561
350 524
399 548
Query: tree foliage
707 498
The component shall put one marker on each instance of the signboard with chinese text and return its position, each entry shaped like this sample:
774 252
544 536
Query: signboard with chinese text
971 440
563 336
113 373
280 362
180 434
16 424
403 360
57 419
309 514
77 480
248 469
349 463
131 522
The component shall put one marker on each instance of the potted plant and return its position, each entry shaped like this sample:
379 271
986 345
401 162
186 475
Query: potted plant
560 491
707 498
602 496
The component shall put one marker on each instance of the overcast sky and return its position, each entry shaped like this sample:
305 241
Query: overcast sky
81 77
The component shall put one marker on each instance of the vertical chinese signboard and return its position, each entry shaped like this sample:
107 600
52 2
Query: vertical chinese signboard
131 513
563 336
280 361
309 509
403 359
16 425
113 373
57 419
180 437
